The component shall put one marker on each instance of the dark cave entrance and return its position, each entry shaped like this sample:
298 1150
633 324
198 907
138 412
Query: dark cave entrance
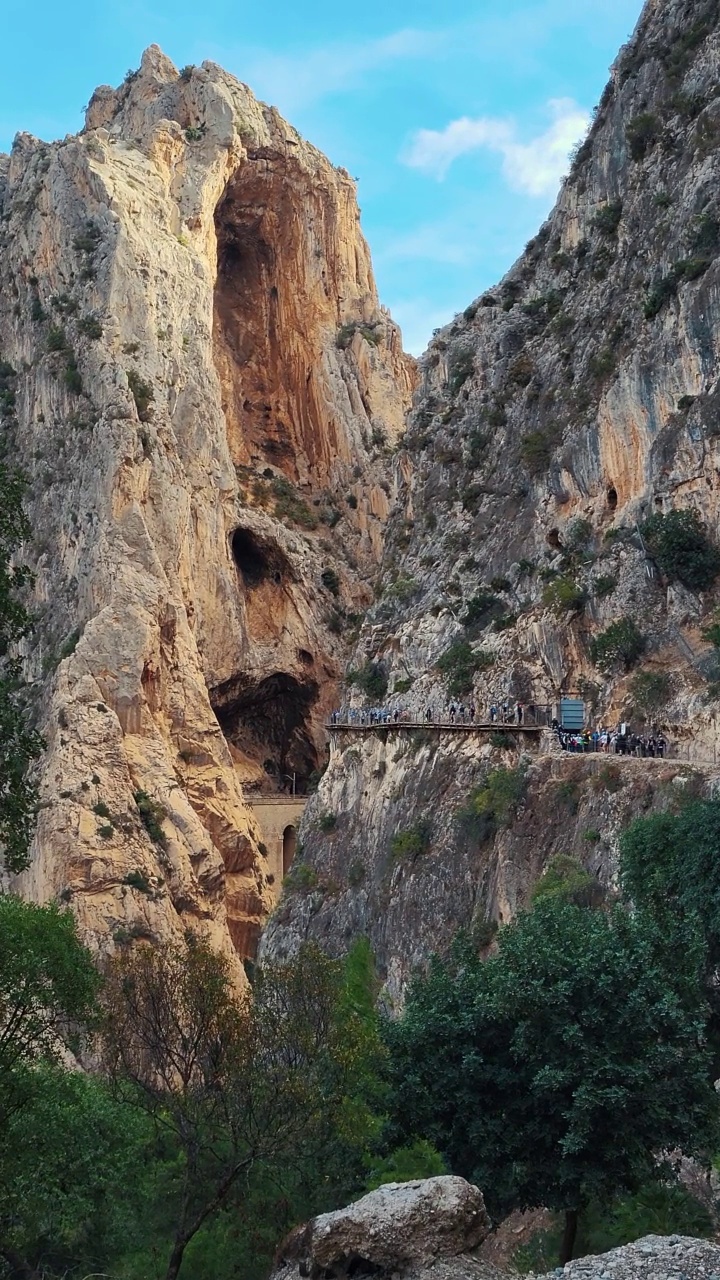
612 498
257 560
270 721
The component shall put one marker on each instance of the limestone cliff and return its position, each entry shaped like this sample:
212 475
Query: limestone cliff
203 390
554 416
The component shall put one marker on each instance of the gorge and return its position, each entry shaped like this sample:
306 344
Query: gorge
229 511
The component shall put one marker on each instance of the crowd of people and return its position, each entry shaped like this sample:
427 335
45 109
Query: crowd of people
456 712
620 741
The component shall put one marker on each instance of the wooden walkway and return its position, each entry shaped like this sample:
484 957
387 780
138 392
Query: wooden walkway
440 725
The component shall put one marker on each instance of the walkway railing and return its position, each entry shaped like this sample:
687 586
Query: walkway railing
485 726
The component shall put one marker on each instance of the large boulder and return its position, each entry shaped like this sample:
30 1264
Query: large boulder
392 1229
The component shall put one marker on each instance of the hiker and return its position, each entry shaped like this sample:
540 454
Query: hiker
493 713
472 712
452 712
519 713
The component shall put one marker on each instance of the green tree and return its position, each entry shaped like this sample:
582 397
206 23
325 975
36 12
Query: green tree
253 1093
679 543
71 1178
19 744
670 865
620 645
553 1073
48 988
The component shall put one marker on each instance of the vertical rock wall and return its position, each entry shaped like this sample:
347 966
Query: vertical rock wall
188 310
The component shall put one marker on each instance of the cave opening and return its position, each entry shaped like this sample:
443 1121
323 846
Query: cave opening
258 560
270 722
612 498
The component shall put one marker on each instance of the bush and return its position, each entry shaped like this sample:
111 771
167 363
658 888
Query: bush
578 534
481 609
604 585
101 810
460 663
536 450
403 685
683 551
56 339
650 690
91 327
411 843
142 394
566 878
492 804
564 596
419 1160
69 645
642 134
300 877
460 367
371 679
327 821
622 643
607 219
658 295
138 880
288 504
151 816
72 378
502 741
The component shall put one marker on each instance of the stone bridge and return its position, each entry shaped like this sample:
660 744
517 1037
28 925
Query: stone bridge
278 817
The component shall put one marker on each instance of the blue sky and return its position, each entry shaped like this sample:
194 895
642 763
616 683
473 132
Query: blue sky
456 119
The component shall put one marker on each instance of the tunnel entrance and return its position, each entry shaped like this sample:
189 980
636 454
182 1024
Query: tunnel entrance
257 560
269 722
289 848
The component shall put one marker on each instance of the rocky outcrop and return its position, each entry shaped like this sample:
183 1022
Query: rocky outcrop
398 1229
554 415
431 1230
204 392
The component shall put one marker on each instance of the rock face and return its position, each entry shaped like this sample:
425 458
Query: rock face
200 383
554 415
430 1230
400 1226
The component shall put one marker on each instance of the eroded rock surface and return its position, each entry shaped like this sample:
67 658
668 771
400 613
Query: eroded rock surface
203 389
554 415
400 1226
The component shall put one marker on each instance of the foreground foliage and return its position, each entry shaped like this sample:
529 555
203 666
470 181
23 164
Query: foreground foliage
551 1073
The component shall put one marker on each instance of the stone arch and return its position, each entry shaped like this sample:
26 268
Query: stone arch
289 847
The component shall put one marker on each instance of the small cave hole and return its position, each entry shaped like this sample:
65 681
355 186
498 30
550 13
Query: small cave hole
258 561
612 498
305 657
554 539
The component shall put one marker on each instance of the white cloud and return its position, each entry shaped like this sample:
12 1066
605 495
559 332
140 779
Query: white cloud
294 81
533 168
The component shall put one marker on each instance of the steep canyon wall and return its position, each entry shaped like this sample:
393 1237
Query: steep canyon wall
554 416
202 389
